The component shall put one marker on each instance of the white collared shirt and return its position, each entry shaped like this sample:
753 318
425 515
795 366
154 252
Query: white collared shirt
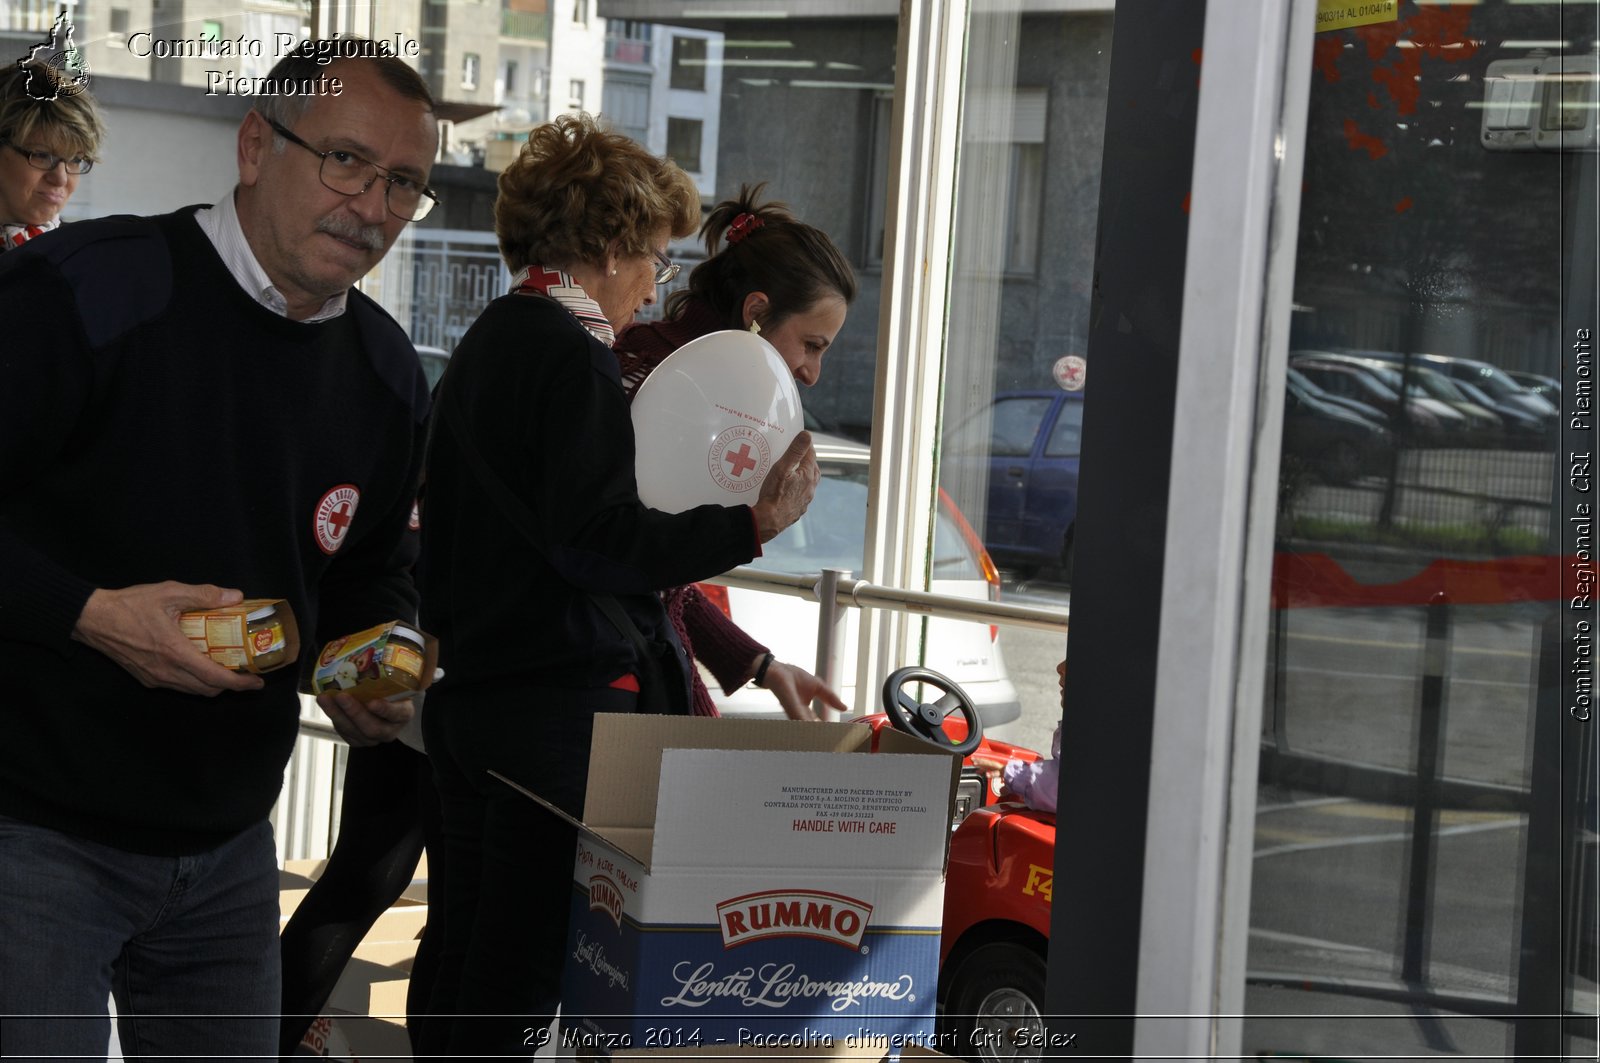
221 225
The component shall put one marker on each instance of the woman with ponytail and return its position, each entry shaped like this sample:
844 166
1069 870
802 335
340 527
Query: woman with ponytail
774 275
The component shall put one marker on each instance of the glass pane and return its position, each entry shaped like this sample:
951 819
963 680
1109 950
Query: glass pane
830 534
689 63
1028 187
1067 435
1412 789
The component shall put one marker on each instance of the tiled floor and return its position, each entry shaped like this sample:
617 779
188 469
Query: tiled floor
365 1017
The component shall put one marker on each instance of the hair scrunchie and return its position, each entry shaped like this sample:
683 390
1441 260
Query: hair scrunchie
743 226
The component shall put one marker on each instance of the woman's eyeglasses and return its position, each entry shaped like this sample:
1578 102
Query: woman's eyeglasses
666 269
44 160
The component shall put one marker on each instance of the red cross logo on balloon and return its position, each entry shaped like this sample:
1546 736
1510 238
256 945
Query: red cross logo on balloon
739 458
740 461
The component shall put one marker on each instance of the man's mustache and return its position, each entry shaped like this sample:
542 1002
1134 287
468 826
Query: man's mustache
368 236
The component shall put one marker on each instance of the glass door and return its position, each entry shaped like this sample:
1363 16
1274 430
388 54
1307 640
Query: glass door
1422 878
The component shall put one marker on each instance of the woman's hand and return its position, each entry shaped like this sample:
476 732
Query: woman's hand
796 688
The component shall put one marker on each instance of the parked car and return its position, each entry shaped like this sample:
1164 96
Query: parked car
1295 379
434 359
1522 428
1494 382
1431 422
1484 426
832 534
1338 444
1489 379
1025 446
1487 423
1546 387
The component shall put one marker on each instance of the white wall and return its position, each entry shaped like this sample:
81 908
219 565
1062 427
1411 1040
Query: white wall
153 162
577 51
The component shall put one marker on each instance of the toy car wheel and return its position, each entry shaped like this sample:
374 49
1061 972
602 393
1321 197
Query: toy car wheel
995 1004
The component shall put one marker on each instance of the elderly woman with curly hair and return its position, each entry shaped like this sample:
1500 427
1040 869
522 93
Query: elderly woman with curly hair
50 131
538 558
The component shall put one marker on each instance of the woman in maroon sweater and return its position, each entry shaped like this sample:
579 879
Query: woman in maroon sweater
776 276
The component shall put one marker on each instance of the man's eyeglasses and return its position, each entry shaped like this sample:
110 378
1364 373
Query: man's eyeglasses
349 174
44 160
667 269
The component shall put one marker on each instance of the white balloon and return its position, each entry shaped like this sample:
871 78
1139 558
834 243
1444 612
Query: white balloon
711 419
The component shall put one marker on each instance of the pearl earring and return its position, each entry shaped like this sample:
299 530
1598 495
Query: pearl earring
755 326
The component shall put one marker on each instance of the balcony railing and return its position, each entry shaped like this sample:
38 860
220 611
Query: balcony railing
526 25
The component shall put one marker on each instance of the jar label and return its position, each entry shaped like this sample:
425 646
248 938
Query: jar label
406 660
268 640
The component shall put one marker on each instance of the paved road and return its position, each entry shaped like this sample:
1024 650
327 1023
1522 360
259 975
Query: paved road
1031 657
1330 874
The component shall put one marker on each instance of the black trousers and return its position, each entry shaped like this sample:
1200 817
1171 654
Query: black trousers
389 811
508 862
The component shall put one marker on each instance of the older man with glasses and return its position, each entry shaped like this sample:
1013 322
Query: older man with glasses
204 411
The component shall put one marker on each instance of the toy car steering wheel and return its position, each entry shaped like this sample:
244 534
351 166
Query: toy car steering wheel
925 720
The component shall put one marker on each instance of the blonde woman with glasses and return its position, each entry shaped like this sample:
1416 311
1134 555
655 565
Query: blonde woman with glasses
50 134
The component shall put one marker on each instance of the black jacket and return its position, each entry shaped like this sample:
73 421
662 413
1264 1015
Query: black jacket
546 409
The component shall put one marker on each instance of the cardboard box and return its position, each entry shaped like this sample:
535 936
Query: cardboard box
368 664
754 881
226 637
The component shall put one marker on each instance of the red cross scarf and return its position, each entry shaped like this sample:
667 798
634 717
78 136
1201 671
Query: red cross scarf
17 235
560 286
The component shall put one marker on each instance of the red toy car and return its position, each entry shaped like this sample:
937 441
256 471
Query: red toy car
998 883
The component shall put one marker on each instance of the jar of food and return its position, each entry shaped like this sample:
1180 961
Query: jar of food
265 635
403 657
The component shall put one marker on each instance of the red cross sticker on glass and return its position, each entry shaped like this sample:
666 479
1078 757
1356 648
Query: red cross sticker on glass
740 461
335 510
1070 372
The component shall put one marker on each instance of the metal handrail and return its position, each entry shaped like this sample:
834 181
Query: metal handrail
318 729
864 595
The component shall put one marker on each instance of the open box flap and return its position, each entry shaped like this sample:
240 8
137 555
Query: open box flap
625 756
630 842
801 809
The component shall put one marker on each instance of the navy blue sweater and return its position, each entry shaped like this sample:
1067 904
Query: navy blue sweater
156 423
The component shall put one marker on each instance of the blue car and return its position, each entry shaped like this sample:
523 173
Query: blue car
1025 446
